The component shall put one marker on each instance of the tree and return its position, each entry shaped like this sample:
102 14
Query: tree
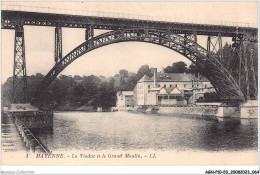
90 84
122 83
77 77
123 73
106 96
230 60
143 70
193 69
210 97
7 92
33 83
112 82
177 67
78 94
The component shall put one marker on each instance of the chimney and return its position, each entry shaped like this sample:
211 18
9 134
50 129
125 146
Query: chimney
154 70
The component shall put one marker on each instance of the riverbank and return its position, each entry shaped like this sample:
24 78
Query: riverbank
166 110
81 108
84 109
201 109
199 112
214 112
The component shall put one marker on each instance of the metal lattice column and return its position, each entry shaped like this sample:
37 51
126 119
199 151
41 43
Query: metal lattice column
214 46
246 70
19 69
220 47
193 37
58 44
89 32
253 74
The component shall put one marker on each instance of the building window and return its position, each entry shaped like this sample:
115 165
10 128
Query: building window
170 85
158 85
184 85
172 97
179 98
176 85
148 86
165 85
165 97
205 86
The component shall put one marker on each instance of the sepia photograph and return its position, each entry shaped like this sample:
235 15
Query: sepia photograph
129 83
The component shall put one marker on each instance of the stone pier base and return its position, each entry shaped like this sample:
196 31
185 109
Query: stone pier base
249 109
227 111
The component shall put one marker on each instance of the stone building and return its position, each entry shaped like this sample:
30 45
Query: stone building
170 89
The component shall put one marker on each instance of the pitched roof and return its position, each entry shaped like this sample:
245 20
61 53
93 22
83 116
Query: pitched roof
203 79
145 78
170 90
175 77
175 91
163 91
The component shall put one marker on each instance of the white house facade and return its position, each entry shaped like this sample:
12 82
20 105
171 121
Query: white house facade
170 89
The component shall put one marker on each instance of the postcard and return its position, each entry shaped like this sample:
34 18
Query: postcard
129 83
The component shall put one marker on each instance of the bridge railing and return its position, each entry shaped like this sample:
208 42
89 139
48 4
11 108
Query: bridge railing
122 15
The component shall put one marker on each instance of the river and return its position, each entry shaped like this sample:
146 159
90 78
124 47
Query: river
127 131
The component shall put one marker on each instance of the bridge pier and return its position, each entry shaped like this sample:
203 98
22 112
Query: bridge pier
246 110
19 67
31 117
228 111
58 44
249 109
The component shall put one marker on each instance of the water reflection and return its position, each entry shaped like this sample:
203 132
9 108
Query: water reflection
123 130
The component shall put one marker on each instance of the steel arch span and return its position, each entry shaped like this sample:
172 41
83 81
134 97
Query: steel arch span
210 66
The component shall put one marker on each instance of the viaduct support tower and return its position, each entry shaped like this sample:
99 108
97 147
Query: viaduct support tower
58 44
19 69
20 110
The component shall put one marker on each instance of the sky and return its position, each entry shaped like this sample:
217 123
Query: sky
108 60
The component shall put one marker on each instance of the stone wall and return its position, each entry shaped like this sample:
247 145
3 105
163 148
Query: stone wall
249 109
196 110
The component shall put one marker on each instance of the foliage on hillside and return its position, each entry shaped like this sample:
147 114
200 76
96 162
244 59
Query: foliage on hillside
67 92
